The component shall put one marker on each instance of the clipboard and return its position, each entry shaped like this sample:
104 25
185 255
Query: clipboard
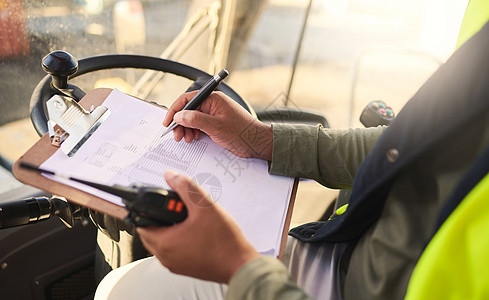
43 149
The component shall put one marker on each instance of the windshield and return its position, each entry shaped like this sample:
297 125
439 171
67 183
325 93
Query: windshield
332 57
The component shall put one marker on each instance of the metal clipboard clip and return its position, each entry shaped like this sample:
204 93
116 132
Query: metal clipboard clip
76 123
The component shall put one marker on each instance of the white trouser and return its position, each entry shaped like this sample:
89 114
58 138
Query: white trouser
313 266
148 279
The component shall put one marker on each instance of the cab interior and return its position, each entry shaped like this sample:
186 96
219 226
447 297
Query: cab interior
328 58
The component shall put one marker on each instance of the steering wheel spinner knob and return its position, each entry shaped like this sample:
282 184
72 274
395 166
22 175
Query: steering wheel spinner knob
60 65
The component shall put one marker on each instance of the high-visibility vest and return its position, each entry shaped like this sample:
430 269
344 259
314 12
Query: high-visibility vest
476 15
455 263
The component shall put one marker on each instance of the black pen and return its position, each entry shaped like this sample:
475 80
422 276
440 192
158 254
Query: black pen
203 93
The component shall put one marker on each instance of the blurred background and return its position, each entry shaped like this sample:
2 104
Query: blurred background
329 56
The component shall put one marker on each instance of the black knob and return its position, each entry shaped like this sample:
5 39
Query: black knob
60 65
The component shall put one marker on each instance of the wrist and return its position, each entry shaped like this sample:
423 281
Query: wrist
259 138
267 151
241 261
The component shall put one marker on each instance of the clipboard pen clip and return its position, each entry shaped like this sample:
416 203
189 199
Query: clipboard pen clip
76 123
147 206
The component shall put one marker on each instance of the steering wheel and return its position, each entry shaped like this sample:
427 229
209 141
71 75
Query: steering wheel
60 66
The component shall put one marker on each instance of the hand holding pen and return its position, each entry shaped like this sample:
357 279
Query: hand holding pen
201 95
226 122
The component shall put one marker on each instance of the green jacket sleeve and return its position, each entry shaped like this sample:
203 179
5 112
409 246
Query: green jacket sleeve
263 278
329 156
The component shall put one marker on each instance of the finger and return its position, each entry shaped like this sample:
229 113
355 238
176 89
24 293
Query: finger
190 192
186 129
215 99
196 134
177 106
178 133
147 238
189 134
195 119
153 237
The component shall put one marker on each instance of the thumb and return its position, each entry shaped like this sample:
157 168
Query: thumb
194 119
190 192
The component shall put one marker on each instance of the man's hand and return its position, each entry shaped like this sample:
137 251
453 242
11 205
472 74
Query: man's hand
208 245
225 122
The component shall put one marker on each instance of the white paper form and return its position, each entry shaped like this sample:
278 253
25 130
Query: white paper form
128 148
